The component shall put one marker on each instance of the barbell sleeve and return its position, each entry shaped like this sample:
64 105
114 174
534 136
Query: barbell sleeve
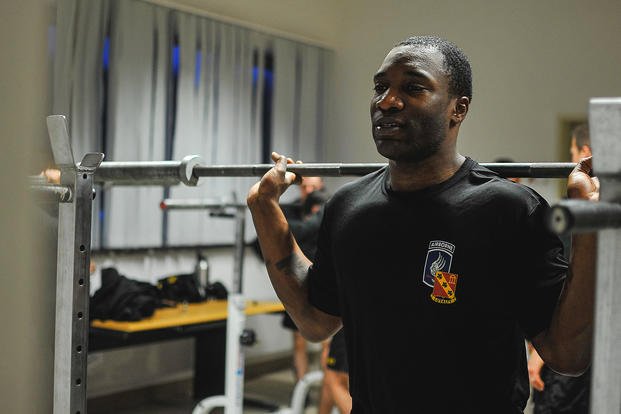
165 173
579 216
138 173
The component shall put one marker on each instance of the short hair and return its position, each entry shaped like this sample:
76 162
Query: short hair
456 63
504 160
581 133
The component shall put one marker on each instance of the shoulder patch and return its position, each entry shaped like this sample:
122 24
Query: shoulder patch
439 258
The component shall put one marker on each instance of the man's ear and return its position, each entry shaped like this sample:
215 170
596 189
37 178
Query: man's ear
460 109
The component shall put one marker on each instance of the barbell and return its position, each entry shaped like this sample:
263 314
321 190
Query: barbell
190 169
566 216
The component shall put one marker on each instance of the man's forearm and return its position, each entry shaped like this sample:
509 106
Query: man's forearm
566 346
275 238
287 268
286 264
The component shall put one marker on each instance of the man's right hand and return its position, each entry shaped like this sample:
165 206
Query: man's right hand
274 183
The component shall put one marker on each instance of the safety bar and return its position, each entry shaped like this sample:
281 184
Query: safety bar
579 216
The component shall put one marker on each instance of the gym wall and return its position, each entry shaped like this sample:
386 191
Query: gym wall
28 286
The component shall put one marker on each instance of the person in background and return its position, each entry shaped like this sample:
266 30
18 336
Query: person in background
51 175
580 146
554 393
335 386
508 160
304 217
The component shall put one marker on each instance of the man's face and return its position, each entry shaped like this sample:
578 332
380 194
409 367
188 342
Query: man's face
578 153
410 108
310 184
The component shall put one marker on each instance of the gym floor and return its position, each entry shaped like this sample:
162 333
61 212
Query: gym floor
274 388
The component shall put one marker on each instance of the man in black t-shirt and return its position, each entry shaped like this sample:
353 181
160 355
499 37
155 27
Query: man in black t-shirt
434 263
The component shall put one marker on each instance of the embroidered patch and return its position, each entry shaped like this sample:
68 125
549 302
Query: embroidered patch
439 258
444 288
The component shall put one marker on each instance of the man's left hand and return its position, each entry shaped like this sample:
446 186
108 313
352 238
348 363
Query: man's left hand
581 184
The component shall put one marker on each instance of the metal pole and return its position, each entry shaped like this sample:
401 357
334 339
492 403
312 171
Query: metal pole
189 170
232 400
300 392
72 285
240 228
605 128
204 203
236 321
197 204
258 170
533 170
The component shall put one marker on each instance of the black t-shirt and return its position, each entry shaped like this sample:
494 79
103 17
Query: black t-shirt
435 288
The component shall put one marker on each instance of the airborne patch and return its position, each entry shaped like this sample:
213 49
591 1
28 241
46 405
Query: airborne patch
444 288
439 258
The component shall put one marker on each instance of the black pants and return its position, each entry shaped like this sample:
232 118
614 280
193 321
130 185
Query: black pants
563 394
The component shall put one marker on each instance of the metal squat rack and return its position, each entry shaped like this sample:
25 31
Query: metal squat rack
75 194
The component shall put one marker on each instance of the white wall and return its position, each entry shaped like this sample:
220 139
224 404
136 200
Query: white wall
533 62
317 20
27 292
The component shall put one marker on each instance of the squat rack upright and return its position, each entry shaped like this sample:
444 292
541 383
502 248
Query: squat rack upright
75 194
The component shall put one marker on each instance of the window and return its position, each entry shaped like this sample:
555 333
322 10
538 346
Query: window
171 110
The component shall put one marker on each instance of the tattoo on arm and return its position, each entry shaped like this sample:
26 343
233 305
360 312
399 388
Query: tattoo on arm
293 266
